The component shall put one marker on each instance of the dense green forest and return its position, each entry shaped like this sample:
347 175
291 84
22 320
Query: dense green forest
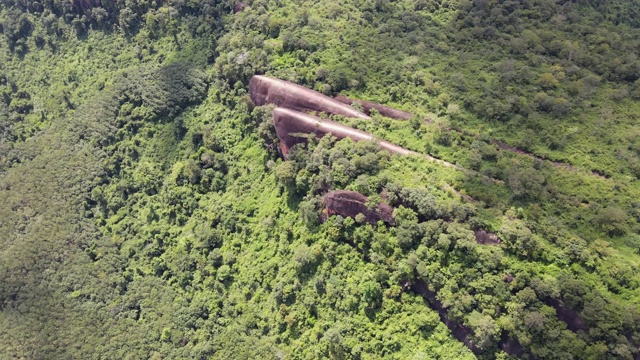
145 212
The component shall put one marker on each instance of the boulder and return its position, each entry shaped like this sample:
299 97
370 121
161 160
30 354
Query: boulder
267 90
239 7
487 238
294 127
351 203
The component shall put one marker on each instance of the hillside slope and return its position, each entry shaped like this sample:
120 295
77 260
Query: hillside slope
146 211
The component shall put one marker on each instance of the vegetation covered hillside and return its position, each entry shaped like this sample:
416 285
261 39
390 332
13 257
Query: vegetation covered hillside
146 211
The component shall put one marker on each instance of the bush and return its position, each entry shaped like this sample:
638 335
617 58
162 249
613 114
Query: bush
612 220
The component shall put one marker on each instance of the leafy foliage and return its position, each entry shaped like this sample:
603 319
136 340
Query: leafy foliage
146 212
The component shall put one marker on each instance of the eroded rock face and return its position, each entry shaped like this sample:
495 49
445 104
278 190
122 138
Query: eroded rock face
487 238
239 7
266 90
294 127
351 203
461 332
568 315
382 109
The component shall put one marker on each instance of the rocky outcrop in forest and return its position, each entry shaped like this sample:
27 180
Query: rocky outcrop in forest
265 90
294 127
487 238
352 203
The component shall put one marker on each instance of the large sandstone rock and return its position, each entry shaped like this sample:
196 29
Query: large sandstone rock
487 238
266 90
294 127
352 203
240 7
382 109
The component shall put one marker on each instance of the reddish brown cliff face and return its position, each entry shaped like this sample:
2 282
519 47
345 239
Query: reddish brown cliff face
351 203
294 127
382 109
266 90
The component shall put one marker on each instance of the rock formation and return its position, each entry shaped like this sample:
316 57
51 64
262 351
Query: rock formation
487 238
352 203
568 315
461 332
266 90
382 109
239 7
293 127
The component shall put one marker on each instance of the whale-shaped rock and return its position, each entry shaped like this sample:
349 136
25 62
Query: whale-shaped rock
265 90
294 127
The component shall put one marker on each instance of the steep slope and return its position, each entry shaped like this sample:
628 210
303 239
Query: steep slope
146 212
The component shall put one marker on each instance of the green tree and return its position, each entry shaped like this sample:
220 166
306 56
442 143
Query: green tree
612 220
485 329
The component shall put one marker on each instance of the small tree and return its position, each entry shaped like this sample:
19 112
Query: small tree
612 220
286 172
548 81
486 331
309 211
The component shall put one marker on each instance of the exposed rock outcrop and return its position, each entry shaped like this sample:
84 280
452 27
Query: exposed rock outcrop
568 315
267 90
293 127
487 238
239 7
461 332
382 109
352 203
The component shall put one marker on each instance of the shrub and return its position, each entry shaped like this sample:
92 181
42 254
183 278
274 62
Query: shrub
612 220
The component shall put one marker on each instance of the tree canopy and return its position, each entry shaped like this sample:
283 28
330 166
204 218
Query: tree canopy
147 212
